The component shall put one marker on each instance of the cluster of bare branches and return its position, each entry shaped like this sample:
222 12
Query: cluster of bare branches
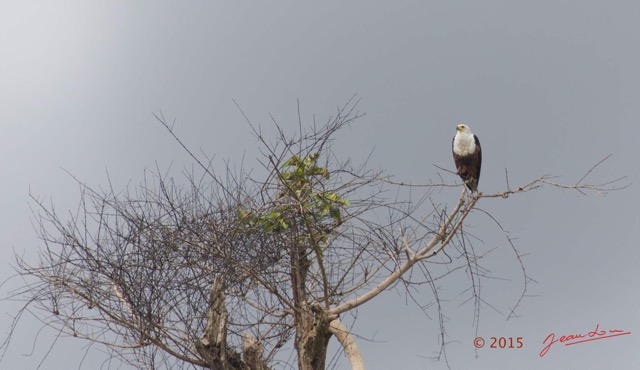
228 269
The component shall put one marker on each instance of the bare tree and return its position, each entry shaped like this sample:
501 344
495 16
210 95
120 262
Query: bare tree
227 270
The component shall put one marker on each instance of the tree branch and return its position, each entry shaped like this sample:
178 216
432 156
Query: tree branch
348 342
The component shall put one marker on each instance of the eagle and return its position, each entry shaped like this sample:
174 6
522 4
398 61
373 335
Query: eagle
468 156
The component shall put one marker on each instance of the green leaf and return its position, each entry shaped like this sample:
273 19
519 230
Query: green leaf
335 214
343 202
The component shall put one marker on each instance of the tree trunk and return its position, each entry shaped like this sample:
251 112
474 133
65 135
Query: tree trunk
311 324
213 346
312 339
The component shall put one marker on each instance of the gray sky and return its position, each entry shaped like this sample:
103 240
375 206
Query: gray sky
550 87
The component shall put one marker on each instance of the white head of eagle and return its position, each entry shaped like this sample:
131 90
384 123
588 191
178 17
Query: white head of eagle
468 156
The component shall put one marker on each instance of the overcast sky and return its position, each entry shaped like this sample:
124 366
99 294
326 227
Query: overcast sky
550 87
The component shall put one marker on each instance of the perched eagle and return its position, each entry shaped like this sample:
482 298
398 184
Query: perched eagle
468 156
